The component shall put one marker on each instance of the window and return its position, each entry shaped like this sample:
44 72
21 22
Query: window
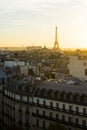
27 124
7 111
65 97
57 105
44 124
84 63
24 98
51 104
63 106
38 101
20 122
17 97
45 93
10 94
44 103
39 92
76 121
5 92
78 98
27 111
70 108
58 95
84 110
85 72
57 116
84 122
77 109
20 111
69 129
70 119
44 113
37 111
71 97
63 117
51 114
37 122
85 99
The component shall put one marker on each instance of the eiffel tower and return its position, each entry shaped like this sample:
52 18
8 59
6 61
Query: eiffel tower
56 45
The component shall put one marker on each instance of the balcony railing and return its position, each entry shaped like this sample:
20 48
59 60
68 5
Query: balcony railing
60 121
53 108
59 109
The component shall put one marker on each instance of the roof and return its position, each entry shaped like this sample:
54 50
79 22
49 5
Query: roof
54 85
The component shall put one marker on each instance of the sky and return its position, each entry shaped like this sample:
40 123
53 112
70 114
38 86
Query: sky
33 22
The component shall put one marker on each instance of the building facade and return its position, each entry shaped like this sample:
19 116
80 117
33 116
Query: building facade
35 107
78 67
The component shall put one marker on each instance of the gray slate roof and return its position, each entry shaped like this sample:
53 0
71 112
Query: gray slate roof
54 85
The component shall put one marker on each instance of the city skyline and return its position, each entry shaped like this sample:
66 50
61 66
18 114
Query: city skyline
28 22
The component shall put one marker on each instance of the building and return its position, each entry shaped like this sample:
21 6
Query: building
78 67
24 70
30 48
14 63
35 104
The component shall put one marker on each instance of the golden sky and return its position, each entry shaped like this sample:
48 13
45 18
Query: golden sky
28 22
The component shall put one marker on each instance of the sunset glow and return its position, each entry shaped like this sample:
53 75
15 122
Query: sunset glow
28 22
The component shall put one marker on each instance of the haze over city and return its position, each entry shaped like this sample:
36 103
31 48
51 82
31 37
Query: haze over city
28 22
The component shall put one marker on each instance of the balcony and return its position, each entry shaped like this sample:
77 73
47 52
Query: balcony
59 109
60 121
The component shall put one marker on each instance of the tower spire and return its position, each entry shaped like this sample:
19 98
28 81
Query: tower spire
56 45
56 35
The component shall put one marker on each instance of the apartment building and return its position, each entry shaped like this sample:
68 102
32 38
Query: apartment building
34 106
78 67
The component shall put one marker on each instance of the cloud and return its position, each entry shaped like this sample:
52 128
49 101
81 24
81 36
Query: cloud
41 11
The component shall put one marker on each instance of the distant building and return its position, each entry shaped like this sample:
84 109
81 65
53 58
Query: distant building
33 48
24 70
78 67
13 63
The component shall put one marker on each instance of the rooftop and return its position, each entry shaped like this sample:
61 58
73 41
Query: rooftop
54 85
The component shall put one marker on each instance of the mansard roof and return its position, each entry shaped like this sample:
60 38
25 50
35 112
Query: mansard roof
81 88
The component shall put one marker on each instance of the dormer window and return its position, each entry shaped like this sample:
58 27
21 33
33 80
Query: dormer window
44 92
39 92
49 93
